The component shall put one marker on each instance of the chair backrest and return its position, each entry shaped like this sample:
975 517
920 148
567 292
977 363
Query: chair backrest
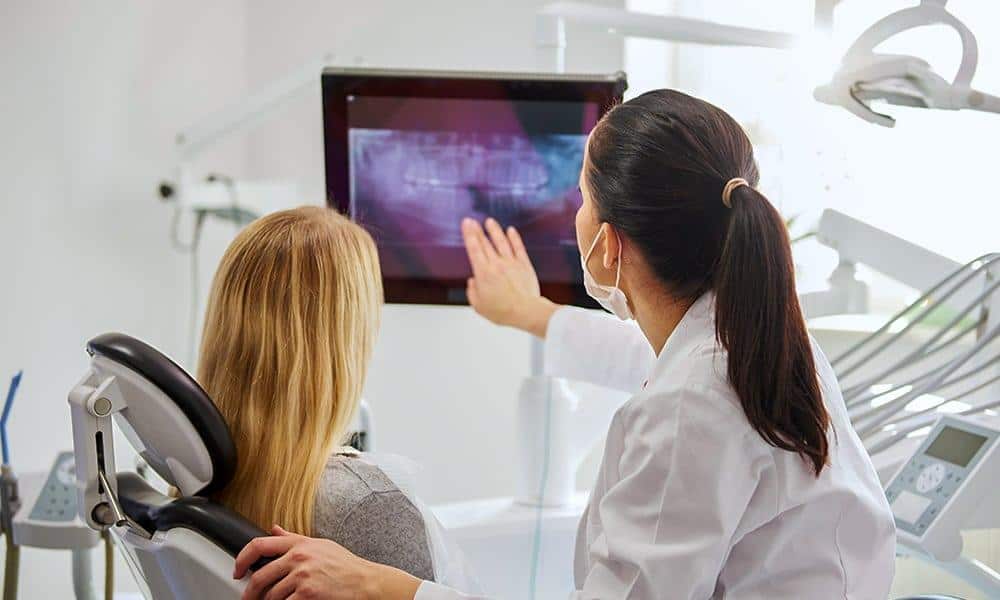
179 546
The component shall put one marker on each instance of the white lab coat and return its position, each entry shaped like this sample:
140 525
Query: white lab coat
690 502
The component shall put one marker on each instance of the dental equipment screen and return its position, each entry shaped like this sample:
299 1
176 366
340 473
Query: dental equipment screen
424 152
955 446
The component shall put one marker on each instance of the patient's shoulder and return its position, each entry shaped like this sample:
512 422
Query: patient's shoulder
349 478
361 508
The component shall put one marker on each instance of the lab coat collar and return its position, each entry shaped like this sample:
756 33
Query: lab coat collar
696 327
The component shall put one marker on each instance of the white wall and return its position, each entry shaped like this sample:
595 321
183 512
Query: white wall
93 93
91 102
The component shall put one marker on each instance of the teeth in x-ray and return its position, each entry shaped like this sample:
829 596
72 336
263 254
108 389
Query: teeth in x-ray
514 170
504 204
435 208
436 167
470 165
444 198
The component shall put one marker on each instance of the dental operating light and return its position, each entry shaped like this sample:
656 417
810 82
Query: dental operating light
866 76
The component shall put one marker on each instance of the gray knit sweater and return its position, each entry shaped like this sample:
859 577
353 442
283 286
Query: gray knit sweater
361 509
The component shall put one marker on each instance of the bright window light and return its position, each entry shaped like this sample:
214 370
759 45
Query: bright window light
955 406
831 159
924 402
886 398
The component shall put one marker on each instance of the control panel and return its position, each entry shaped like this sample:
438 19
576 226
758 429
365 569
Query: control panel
48 518
57 499
944 481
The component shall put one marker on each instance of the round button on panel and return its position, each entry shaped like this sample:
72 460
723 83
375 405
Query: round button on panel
930 478
66 473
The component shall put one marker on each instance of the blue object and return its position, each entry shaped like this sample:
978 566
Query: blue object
11 392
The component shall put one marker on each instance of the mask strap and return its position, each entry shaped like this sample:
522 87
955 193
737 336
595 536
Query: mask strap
618 275
592 246
586 259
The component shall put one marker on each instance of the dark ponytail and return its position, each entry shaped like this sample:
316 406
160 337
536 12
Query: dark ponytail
657 166
759 322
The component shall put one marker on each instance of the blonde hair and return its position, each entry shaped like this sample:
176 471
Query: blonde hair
289 330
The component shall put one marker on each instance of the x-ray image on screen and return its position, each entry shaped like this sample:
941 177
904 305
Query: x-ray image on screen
417 186
419 166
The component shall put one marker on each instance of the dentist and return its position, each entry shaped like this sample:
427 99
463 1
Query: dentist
733 471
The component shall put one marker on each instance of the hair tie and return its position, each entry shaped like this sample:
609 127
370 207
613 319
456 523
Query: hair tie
731 185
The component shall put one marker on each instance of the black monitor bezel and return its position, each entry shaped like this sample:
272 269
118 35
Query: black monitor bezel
339 83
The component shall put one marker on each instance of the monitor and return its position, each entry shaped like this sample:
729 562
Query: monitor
409 154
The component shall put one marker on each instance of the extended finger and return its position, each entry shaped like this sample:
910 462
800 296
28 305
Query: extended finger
498 238
475 229
517 244
474 246
259 548
265 577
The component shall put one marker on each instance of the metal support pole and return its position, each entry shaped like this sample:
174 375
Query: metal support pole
83 575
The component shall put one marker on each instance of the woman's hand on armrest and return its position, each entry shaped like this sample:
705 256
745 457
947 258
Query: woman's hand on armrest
504 287
317 569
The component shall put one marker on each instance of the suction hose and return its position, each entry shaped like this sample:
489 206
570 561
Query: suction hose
109 567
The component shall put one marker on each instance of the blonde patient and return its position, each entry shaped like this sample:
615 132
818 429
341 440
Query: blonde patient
289 330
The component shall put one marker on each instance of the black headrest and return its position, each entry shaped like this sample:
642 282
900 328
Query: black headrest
180 387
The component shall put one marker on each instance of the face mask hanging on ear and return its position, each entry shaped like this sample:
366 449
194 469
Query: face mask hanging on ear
611 297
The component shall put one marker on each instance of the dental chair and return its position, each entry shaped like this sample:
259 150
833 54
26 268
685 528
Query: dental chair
180 545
